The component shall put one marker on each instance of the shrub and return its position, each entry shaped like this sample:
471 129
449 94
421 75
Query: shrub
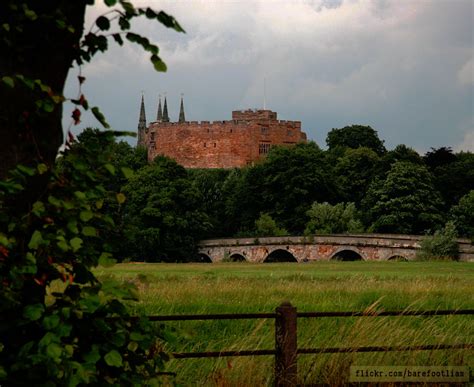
64 326
328 219
440 246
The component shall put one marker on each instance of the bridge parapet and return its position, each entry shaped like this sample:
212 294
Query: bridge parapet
323 247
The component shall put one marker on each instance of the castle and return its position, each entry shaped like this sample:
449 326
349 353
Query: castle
218 144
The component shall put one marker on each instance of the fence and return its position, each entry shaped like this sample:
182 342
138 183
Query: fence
286 350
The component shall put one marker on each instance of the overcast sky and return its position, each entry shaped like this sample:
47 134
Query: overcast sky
404 67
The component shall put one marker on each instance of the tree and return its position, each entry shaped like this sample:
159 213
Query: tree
462 215
401 153
405 202
266 226
211 185
355 136
354 172
455 178
438 157
164 222
287 182
325 218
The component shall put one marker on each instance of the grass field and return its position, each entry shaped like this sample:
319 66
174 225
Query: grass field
319 286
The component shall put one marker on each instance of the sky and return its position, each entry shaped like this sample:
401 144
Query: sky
404 67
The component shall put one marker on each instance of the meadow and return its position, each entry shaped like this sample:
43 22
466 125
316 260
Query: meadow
319 286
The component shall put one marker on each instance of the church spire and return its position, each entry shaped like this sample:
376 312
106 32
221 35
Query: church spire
181 111
159 115
142 124
165 112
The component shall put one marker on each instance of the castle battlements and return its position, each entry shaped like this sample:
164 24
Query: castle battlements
243 140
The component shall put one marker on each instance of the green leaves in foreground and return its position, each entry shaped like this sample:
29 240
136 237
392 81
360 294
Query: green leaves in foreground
50 294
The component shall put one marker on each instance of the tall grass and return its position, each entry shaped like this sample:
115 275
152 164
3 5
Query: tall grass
321 286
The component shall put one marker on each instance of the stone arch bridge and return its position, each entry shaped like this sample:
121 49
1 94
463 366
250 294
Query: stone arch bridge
345 247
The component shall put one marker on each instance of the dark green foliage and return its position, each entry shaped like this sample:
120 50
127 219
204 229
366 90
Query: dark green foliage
354 172
355 136
439 157
405 202
401 153
287 182
455 179
213 186
462 215
163 220
325 218
59 328
440 246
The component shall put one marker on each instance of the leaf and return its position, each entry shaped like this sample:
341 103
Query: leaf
121 198
113 358
110 3
86 215
110 168
33 312
132 346
89 231
80 195
76 243
26 170
36 240
127 172
50 322
158 64
118 38
103 23
100 117
54 351
38 208
42 168
8 81
93 356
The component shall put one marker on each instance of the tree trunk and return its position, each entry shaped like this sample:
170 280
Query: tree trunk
37 48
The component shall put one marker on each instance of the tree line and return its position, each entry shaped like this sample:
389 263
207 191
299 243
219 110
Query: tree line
356 185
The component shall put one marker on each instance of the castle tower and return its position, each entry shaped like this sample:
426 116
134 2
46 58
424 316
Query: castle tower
159 115
165 118
141 141
181 111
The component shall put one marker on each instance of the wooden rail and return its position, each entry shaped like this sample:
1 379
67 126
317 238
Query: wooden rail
286 348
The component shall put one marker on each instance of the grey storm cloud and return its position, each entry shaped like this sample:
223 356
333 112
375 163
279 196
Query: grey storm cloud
403 67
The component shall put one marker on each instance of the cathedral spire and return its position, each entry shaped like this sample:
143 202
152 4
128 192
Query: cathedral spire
165 112
159 115
142 124
181 111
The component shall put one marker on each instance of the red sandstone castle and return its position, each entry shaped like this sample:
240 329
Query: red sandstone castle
218 144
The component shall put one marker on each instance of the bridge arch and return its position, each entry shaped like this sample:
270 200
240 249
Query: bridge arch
280 255
204 258
348 254
237 257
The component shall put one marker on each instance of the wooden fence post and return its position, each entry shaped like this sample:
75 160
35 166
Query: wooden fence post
286 369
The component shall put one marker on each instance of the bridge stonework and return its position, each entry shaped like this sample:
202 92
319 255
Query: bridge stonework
370 247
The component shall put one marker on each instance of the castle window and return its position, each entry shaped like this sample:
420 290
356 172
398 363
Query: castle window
231 130
264 148
152 135
289 133
204 145
264 130
214 145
